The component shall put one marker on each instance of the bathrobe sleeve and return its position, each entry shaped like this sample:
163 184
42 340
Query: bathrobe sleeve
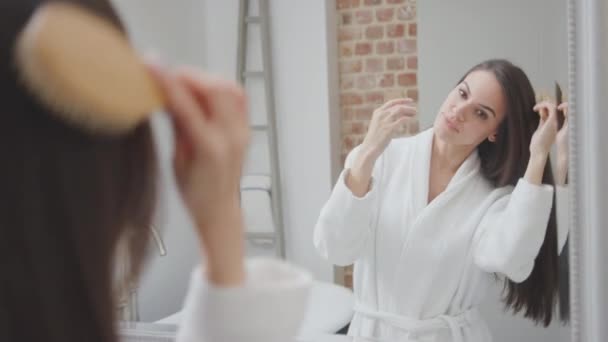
512 231
563 215
345 222
268 308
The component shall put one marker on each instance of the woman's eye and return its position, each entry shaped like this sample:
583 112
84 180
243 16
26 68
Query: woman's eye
481 114
462 93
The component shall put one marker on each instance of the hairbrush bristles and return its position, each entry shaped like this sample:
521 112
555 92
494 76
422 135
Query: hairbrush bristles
85 70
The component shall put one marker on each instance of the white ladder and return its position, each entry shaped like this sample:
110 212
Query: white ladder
245 21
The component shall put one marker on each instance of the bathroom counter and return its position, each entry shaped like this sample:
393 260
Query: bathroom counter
157 332
335 338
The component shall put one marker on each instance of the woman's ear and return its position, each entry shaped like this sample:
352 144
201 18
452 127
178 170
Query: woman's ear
492 137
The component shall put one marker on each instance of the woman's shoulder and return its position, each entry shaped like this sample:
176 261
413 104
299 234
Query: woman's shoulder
485 191
495 193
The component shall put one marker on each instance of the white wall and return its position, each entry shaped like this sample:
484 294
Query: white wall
204 33
171 28
161 27
302 89
303 101
455 35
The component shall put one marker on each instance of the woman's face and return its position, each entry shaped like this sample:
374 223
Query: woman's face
472 111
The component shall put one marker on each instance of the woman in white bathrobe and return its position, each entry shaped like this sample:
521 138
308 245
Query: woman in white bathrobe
70 195
431 221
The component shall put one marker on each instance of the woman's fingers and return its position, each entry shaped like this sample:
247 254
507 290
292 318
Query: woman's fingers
396 127
564 108
400 111
546 110
399 122
224 99
187 115
551 118
394 102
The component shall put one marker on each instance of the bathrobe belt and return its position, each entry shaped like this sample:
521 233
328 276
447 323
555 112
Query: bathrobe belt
413 326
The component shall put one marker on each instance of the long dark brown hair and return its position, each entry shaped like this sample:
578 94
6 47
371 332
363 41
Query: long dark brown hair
66 200
504 163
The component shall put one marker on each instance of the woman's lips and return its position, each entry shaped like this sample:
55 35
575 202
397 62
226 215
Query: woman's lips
451 125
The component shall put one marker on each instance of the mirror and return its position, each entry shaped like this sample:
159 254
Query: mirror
332 64
532 35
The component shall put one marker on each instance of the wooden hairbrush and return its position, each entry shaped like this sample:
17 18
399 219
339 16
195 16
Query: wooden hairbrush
561 117
84 68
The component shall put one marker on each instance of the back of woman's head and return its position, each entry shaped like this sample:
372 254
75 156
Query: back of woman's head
67 198
503 163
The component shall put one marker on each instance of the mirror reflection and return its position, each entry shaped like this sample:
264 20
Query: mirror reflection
397 203
349 170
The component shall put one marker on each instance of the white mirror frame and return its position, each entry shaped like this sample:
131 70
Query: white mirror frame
588 81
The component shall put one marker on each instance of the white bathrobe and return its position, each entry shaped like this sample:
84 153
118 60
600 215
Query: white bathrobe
421 270
269 307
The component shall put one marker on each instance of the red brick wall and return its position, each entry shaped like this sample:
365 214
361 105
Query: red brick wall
378 61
